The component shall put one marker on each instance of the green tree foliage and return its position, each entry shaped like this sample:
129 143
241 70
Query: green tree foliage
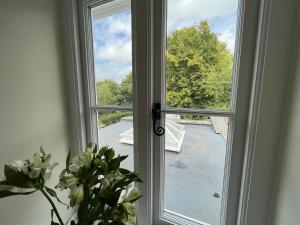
198 69
111 93
107 92
125 93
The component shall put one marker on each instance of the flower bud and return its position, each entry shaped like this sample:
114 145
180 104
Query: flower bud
16 165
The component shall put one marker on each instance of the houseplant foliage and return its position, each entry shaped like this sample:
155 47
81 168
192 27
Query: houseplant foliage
101 192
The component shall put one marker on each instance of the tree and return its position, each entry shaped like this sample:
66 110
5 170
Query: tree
107 92
125 93
198 69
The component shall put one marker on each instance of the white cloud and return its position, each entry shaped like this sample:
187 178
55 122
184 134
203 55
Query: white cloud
115 50
111 70
221 15
188 12
120 25
228 36
113 47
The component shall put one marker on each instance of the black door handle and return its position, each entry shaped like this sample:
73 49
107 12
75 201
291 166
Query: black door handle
156 115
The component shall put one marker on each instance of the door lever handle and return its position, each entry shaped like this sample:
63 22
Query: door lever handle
156 115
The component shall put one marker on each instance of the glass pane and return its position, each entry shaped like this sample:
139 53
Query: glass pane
200 48
111 25
195 149
115 129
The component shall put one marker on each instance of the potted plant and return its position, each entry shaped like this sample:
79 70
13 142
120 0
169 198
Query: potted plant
101 192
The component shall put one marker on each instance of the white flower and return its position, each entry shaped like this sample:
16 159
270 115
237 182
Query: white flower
129 208
16 165
67 181
39 166
36 161
34 173
25 169
133 195
85 158
74 168
76 195
47 174
39 162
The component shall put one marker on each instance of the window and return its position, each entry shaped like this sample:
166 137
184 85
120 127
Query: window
198 42
112 50
191 57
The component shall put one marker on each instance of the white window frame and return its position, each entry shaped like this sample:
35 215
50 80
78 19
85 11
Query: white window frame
83 121
241 89
141 47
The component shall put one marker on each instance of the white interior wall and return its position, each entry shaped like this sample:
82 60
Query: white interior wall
278 55
32 97
286 201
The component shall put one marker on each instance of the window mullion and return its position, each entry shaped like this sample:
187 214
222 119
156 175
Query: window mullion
141 18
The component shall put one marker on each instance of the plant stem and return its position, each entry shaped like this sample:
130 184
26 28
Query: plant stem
53 205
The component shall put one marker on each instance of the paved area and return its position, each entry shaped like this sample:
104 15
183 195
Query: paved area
220 125
193 177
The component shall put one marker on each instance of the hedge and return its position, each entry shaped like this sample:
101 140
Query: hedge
111 118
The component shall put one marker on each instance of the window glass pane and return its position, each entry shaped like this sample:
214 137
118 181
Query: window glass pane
199 57
115 129
112 41
195 150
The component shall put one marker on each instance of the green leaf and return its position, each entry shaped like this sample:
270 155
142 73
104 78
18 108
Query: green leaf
53 194
111 197
109 154
17 179
102 165
117 223
95 149
90 145
4 193
124 171
134 195
130 175
115 163
42 150
81 212
4 187
4 182
68 161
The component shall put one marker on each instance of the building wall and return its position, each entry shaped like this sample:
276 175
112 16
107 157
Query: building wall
33 108
286 201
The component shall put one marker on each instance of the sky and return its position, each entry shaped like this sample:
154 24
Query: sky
112 35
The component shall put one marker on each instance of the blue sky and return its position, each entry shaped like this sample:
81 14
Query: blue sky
112 35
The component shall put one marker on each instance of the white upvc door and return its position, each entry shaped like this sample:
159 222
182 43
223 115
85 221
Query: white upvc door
192 172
